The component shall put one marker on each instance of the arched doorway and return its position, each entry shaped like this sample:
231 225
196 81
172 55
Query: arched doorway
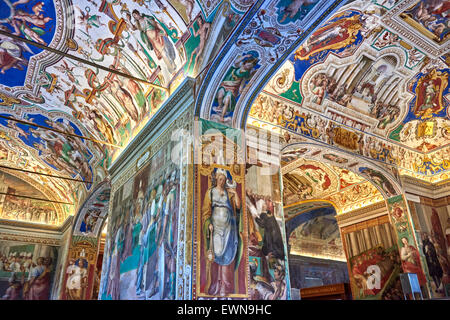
324 189
315 250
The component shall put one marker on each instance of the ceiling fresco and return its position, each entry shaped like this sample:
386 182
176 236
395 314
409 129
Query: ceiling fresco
307 180
80 78
318 237
314 173
313 231
93 212
267 34
370 82
22 199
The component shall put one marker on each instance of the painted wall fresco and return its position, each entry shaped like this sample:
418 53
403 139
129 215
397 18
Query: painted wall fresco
26 270
381 83
221 216
373 243
141 247
387 260
269 271
80 269
102 69
59 269
406 241
434 227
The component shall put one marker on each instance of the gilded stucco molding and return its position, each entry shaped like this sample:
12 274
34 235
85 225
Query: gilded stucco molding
366 213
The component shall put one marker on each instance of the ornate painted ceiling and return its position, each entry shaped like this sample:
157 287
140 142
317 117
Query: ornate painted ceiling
313 180
80 78
372 80
23 199
318 237
313 230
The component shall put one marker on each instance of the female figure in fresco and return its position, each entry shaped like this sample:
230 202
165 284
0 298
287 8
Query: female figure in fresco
220 212
411 260
234 82
155 38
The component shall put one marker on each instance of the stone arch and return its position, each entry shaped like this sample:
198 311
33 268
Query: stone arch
270 60
98 201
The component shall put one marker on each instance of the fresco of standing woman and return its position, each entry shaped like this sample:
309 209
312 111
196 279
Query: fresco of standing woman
221 215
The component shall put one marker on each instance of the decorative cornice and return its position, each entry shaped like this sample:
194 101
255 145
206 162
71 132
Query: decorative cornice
425 184
439 202
37 227
362 214
32 239
425 189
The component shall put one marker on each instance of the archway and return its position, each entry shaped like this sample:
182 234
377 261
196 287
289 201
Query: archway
371 213
315 251
81 273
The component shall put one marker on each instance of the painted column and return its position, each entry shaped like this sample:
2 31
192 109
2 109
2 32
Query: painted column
380 239
389 236
354 244
80 269
221 263
367 239
407 243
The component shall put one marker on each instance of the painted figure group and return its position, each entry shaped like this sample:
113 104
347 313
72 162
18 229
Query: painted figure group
144 231
36 286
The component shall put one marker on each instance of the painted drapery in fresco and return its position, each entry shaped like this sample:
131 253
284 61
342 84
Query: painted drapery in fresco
434 224
141 246
26 270
79 274
409 253
221 219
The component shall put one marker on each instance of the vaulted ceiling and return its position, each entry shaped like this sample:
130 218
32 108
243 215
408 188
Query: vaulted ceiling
373 80
80 78
313 180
